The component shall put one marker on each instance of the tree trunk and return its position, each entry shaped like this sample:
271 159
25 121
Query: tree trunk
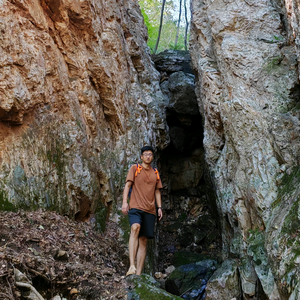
178 24
160 25
186 26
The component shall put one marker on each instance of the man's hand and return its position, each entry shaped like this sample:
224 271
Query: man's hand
160 214
125 208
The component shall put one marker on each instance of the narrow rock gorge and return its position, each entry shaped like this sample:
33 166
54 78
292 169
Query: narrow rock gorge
80 94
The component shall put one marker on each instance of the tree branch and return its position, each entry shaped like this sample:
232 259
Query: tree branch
29 286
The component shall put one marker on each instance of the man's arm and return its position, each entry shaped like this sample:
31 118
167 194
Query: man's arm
125 205
158 202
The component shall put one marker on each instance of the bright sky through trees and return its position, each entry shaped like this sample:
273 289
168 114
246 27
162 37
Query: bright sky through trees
151 10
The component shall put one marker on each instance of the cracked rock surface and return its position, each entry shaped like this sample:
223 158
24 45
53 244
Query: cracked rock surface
245 57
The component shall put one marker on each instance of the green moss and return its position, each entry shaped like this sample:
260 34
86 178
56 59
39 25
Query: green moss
273 64
296 250
148 292
5 205
146 288
291 224
57 159
287 186
256 248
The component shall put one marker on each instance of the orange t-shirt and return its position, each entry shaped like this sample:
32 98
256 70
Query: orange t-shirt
143 189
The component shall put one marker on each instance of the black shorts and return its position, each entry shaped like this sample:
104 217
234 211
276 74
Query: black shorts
146 220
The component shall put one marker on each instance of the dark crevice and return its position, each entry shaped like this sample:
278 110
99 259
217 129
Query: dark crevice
191 230
295 93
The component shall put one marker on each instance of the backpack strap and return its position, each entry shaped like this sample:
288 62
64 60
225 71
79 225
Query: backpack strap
138 169
156 172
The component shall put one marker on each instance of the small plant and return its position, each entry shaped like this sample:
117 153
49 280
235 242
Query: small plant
276 38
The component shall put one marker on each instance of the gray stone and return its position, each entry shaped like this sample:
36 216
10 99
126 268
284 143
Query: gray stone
183 99
248 277
171 61
224 283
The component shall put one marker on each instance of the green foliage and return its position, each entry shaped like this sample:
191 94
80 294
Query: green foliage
151 10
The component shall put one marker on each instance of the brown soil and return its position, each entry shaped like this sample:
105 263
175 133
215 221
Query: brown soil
30 242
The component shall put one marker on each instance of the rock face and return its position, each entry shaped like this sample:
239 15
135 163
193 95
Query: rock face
245 57
78 97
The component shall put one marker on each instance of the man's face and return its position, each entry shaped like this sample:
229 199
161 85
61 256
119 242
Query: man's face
147 157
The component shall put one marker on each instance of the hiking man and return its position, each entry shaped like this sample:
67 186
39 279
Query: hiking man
145 183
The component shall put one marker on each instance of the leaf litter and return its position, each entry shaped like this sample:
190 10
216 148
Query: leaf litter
60 257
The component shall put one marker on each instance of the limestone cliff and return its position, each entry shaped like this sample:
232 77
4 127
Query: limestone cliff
245 56
78 97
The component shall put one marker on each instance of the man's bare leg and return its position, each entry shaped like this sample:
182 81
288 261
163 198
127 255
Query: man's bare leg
133 246
141 254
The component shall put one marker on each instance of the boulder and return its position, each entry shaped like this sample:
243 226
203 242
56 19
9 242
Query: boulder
190 280
171 61
183 99
145 287
224 283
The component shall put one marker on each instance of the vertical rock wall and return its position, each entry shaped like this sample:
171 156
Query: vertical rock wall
245 56
78 97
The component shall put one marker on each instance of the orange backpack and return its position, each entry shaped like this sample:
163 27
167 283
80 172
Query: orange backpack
139 169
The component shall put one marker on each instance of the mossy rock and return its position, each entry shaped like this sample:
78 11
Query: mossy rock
5 205
145 287
192 277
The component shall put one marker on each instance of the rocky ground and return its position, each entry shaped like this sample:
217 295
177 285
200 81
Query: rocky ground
59 257
65 259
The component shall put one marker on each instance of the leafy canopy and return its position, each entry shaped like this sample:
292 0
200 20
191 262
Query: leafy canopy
151 10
